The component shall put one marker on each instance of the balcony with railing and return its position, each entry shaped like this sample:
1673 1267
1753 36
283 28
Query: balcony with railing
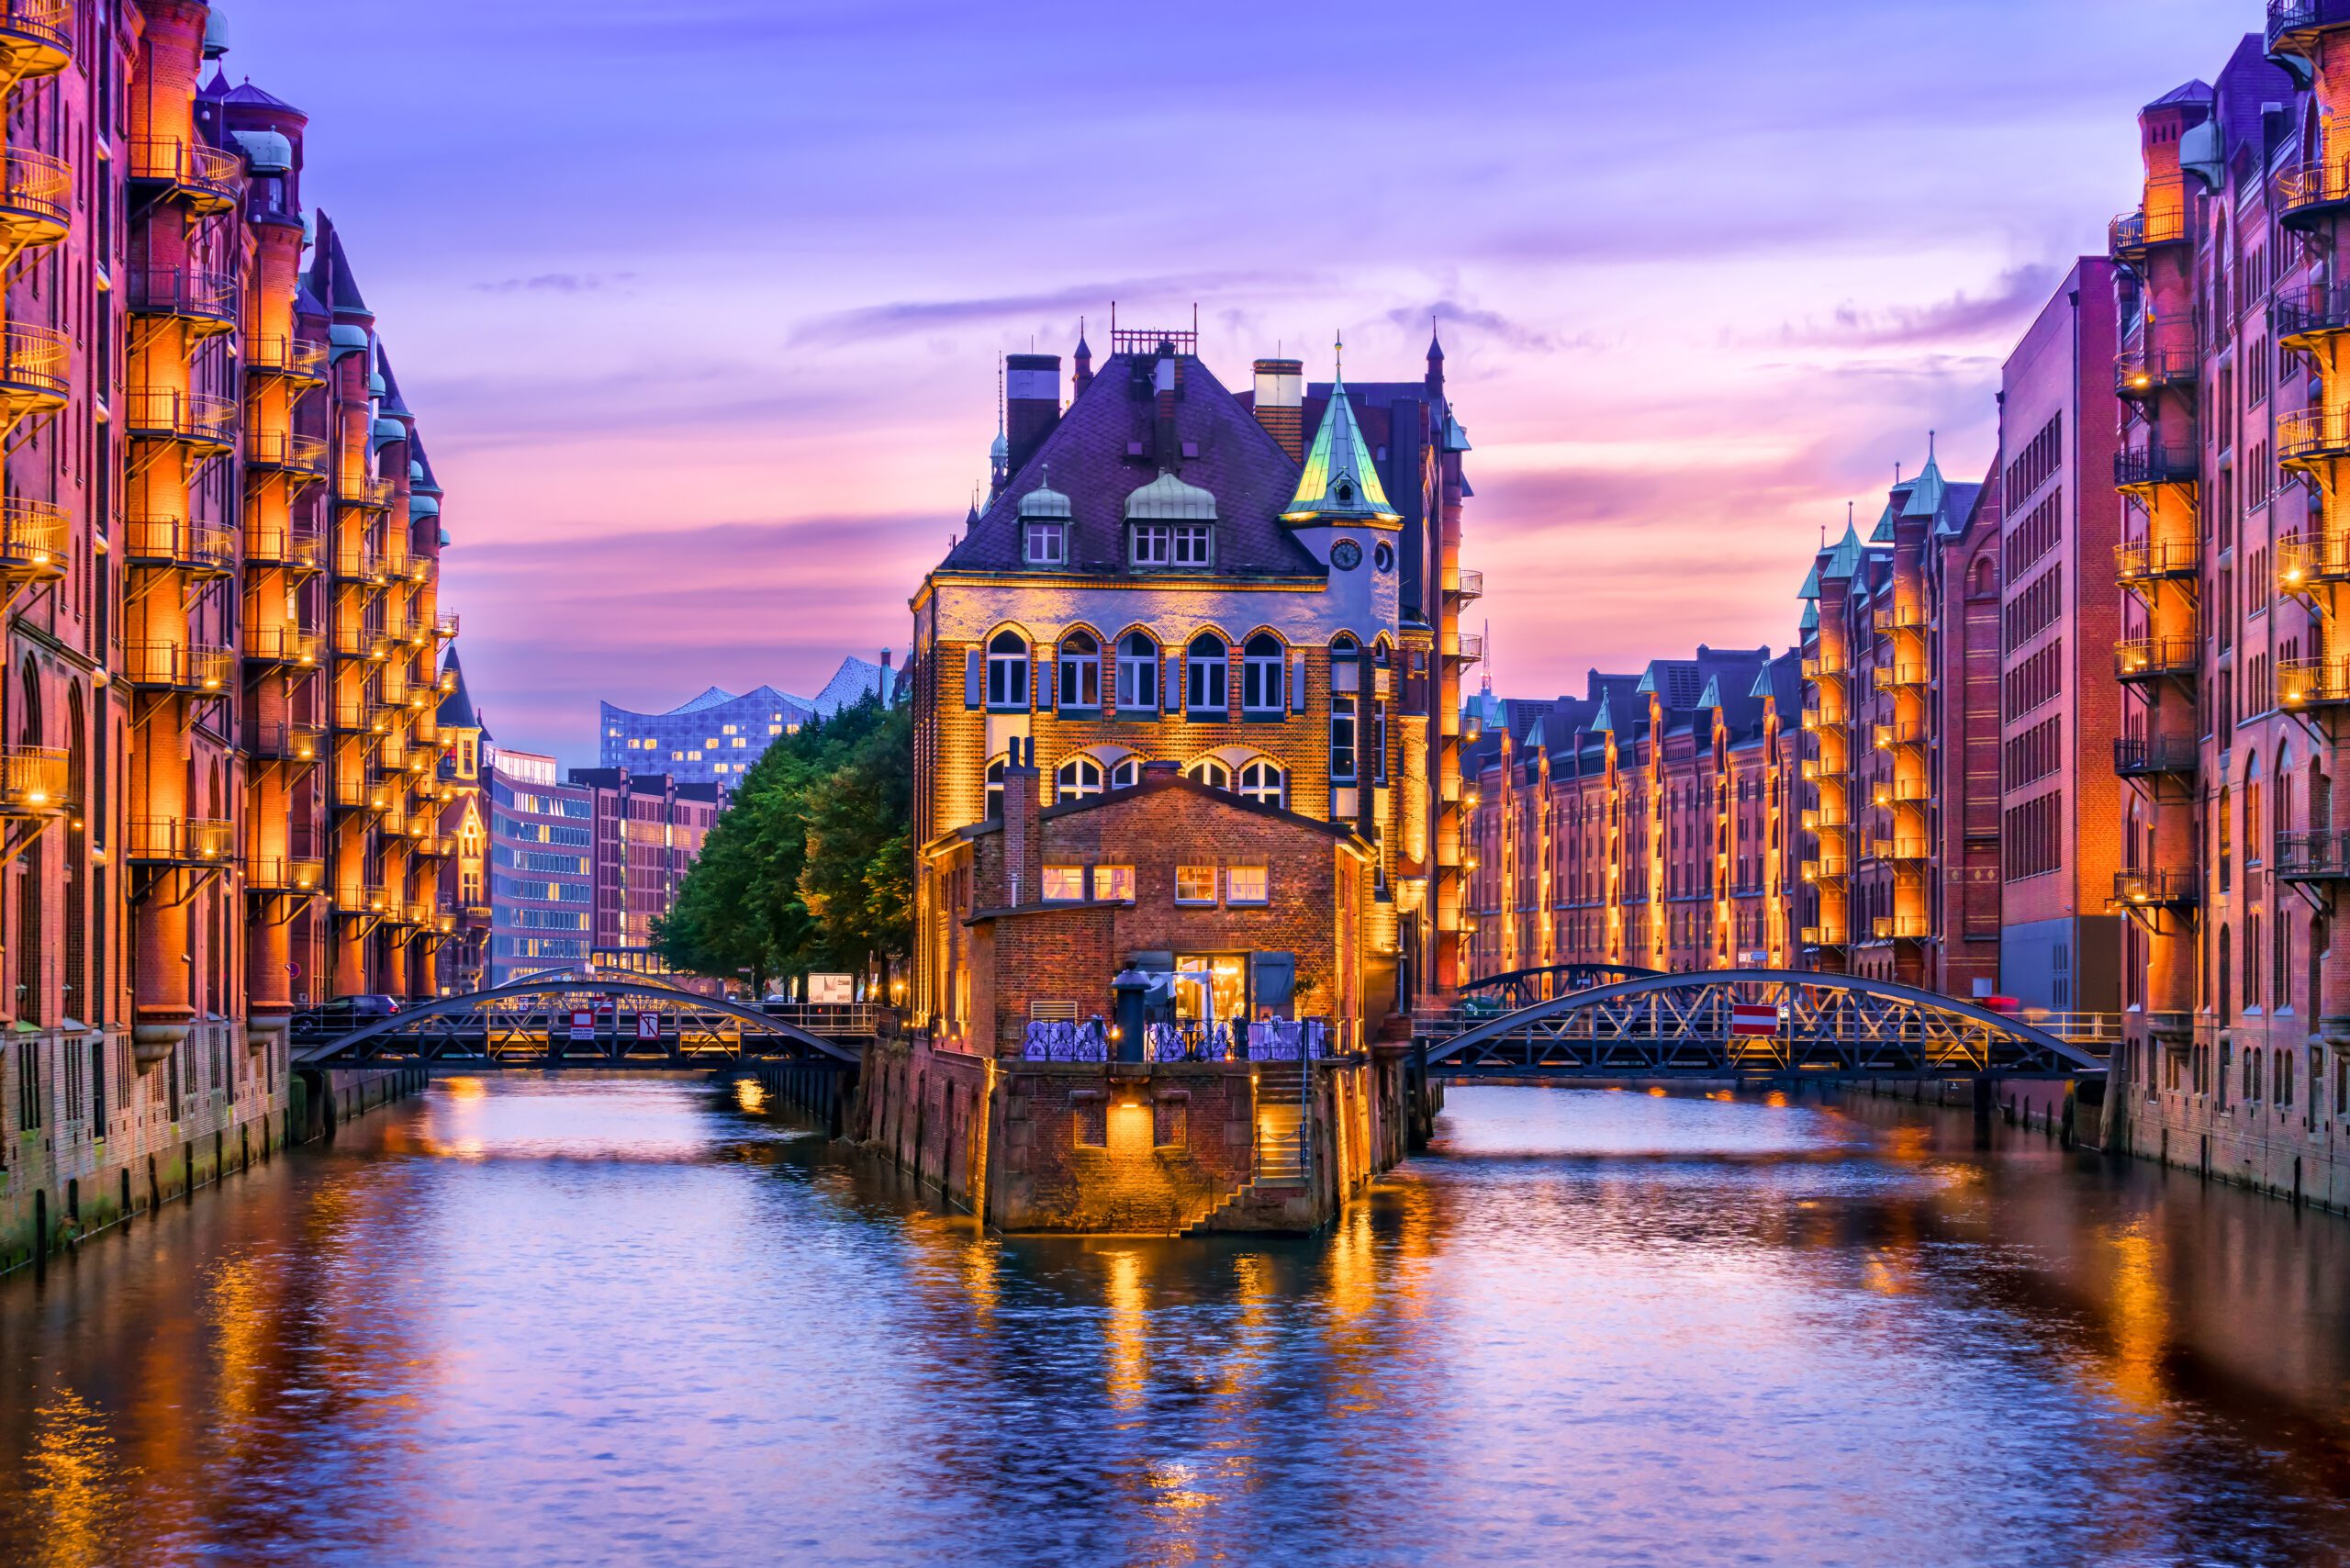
297 359
204 177
444 627
1823 937
283 646
2144 467
34 781
359 564
182 841
283 740
1827 868
1900 733
296 549
359 640
166 413
1900 928
2140 371
1898 618
176 545
2139 660
2177 887
362 899
1468 585
1468 648
284 873
357 490
205 301
2305 317
355 791
363 716
2138 756
2316 187
2294 25
36 36
2321 854
2160 221
2305 561
2311 438
1896 676
2149 561
1818 667
36 197
36 365
33 539
2303 684
184 668
277 451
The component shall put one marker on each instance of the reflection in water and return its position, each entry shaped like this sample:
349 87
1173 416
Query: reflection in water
630 1319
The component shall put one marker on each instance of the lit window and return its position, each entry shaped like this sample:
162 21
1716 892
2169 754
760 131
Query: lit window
1204 672
726 729
1137 671
1247 884
739 742
677 757
1263 781
1195 884
1114 882
1008 671
1342 740
1077 778
1064 884
1081 671
775 729
712 743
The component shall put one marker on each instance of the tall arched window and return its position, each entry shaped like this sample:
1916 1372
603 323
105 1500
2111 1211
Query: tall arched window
77 1001
1204 673
2225 851
1137 671
1263 781
1211 772
1008 671
2253 854
1077 778
1081 671
1262 664
995 789
30 948
2226 969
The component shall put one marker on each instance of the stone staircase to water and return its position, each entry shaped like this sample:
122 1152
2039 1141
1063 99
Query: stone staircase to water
1277 1192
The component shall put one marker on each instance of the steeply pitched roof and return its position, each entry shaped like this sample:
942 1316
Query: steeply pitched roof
331 276
1092 451
855 680
1339 479
457 708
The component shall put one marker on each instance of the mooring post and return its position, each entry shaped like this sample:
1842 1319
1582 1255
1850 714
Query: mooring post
1986 1097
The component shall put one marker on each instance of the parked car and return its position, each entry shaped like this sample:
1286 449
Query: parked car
341 1015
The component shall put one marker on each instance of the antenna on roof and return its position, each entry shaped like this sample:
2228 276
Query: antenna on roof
1339 356
1930 446
1897 473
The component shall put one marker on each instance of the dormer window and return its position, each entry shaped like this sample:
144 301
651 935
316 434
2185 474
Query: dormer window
1171 526
1174 544
1047 543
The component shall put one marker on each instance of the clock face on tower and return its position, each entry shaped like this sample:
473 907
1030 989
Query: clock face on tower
1346 555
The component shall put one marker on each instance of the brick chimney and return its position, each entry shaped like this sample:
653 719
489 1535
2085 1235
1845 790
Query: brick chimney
1032 403
1165 378
1281 403
1024 833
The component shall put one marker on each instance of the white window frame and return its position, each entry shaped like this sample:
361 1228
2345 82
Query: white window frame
1206 678
1080 673
1152 545
1044 542
1063 884
1235 881
1252 782
1127 773
1194 544
1262 675
1077 778
1215 881
1007 673
1211 772
1138 673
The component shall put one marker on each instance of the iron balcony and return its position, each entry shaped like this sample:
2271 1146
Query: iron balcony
297 359
1467 585
175 544
182 668
2142 659
205 301
196 419
2138 372
299 550
1823 937
2303 684
2303 316
2144 468
2307 560
36 36
35 781
36 196
2160 221
2136 756
2321 854
282 646
182 841
2311 190
2147 561
1893 676
2307 438
205 178
2177 887
376 494
2293 25
33 536
284 741
1901 928
35 368
284 873
281 450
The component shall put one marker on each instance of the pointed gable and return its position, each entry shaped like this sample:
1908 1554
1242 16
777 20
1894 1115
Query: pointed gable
1339 481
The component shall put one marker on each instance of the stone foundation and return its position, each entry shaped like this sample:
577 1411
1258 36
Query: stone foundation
2292 1153
1157 1149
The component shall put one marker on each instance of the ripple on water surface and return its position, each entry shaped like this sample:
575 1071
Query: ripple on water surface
621 1320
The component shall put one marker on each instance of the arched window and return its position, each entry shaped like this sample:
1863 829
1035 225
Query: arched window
1008 671
1081 671
1204 673
1137 671
995 789
1262 666
1263 781
29 945
2225 852
1077 778
2227 978
1127 774
1211 772
2252 839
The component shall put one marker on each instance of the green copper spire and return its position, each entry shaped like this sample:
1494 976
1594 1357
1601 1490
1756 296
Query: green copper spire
1339 482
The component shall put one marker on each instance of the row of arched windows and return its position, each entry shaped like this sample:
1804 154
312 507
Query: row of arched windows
1083 776
1076 674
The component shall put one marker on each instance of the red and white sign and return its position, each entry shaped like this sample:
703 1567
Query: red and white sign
582 1024
648 1025
1754 1018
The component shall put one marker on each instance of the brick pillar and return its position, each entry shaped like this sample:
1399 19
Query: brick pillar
1023 842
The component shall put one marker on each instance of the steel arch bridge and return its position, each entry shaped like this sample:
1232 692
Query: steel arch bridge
1524 987
1682 1025
530 1020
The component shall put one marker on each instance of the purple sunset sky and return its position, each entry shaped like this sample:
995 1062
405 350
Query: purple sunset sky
698 302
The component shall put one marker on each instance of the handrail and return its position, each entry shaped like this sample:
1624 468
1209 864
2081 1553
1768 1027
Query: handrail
181 840
34 536
2172 885
181 666
2306 433
190 165
38 183
177 541
2140 657
43 21
2141 560
183 291
181 415
34 780
36 357
284 449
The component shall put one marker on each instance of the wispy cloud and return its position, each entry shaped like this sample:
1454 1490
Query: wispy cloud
2019 292
1488 323
558 283
917 316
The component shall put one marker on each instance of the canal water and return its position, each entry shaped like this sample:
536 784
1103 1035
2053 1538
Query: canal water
630 1320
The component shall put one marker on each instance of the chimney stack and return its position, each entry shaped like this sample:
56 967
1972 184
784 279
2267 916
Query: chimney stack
1024 847
1032 404
1281 403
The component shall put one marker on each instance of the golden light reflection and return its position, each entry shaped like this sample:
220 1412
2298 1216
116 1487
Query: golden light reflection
76 1484
1776 1099
750 1096
2140 1319
465 1088
1128 1335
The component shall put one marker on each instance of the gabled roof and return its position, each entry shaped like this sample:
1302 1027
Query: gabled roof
331 276
1845 559
1339 480
855 680
456 712
1092 453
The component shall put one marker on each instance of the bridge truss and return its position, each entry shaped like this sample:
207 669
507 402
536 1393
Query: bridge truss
1695 1025
1524 987
531 1019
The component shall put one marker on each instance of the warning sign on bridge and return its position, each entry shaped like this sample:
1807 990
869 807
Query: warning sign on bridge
1754 1018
